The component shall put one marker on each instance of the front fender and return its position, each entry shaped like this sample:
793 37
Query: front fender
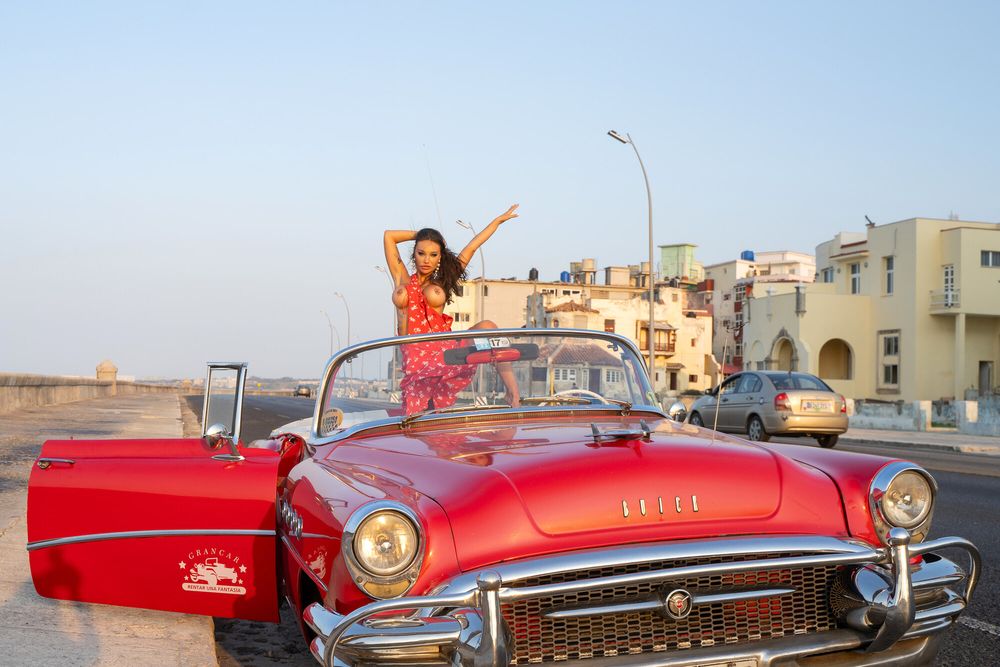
323 494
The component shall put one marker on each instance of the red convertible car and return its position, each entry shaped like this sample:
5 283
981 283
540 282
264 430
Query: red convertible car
419 519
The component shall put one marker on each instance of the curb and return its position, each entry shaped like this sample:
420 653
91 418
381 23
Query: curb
962 449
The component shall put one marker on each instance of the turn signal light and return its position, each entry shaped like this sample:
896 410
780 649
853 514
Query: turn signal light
781 403
843 403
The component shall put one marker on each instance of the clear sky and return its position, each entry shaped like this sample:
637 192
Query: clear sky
185 181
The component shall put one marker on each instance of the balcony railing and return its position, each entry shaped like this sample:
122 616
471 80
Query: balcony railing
944 299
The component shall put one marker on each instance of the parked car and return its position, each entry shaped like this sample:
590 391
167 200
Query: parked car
582 526
303 390
766 403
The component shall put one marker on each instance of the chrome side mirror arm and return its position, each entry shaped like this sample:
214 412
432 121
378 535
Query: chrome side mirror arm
217 436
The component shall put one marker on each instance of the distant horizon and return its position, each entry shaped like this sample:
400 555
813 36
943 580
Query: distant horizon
185 183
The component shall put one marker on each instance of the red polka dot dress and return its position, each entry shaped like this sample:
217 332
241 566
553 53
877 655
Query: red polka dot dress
427 381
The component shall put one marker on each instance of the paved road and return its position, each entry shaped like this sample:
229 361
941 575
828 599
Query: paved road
967 506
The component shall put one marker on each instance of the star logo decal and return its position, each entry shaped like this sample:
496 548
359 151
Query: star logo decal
181 564
243 569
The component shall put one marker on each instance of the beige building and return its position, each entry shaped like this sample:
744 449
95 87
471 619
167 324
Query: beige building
732 282
904 311
611 299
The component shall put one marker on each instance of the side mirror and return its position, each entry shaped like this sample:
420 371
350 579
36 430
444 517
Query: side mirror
223 408
710 391
677 412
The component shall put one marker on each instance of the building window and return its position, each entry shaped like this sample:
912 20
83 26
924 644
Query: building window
694 342
463 317
613 376
889 266
738 350
609 326
555 323
888 353
539 373
738 320
740 292
692 379
990 257
828 275
459 291
565 374
486 290
855 278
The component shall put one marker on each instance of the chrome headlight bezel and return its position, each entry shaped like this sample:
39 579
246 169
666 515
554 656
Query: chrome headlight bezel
372 584
882 483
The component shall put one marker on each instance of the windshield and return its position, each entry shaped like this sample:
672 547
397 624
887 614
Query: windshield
797 381
497 368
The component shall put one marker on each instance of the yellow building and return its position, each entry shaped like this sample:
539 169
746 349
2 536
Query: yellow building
904 311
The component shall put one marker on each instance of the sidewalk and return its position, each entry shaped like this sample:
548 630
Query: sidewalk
39 631
951 441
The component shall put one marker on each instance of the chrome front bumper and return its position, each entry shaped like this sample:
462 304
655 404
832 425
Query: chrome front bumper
895 614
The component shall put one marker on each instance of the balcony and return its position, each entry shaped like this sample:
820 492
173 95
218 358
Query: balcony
945 302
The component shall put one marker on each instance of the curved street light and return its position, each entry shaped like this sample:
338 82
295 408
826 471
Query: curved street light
332 330
482 261
348 309
627 139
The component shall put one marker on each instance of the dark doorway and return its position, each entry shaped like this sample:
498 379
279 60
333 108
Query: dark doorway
594 381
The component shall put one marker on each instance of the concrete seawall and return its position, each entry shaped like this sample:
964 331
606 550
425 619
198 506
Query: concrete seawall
24 390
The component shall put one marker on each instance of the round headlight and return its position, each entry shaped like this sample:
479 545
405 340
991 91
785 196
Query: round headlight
385 543
908 499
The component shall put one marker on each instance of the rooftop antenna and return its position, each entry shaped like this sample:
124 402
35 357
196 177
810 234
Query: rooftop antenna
870 224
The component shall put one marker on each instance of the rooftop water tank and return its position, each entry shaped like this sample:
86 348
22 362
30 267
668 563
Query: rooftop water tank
564 277
532 273
747 255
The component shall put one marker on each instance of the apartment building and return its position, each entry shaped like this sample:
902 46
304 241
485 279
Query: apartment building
730 284
903 311
614 298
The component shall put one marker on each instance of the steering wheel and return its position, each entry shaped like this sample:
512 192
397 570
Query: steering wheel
583 392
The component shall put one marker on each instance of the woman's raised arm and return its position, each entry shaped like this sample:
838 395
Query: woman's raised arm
468 251
395 263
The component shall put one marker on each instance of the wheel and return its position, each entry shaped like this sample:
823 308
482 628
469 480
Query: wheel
756 430
211 579
582 392
827 441
696 419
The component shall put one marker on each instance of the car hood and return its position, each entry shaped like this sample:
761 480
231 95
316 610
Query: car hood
535 488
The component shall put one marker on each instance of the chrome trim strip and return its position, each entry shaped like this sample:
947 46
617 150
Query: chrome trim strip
354 350
515 594
592 559
484 413
297 557
140 534
657 603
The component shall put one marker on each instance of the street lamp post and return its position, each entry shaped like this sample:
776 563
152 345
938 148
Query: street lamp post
332 330
348 309
393 332
482 261
627 139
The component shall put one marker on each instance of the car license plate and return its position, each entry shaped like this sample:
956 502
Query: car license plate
817 406
742 662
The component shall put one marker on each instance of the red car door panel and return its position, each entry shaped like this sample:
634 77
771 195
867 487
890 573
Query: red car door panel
157 524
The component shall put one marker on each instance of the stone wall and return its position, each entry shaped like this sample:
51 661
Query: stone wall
22 390
971 417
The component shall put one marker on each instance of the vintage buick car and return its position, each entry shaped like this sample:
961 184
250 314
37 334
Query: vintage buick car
418 519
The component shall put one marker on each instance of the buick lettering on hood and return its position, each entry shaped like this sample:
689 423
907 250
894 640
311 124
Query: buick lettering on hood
424 515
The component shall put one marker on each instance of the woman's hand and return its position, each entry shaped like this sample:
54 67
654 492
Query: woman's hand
509 214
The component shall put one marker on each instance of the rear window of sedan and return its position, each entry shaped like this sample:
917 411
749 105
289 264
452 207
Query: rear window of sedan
788 381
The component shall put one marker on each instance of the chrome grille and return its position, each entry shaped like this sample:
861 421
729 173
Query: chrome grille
538 639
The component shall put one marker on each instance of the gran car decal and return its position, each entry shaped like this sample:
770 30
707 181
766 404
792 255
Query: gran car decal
678 506
214 570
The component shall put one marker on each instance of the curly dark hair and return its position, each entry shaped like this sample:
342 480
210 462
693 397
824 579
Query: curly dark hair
450 272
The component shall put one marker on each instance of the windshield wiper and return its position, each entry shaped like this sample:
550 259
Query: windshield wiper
409 419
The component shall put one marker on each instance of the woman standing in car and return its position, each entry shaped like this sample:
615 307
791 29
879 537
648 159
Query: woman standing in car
421 299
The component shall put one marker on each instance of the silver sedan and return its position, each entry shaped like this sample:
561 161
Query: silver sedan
766 403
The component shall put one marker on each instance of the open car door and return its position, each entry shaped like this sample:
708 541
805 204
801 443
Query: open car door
177 525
